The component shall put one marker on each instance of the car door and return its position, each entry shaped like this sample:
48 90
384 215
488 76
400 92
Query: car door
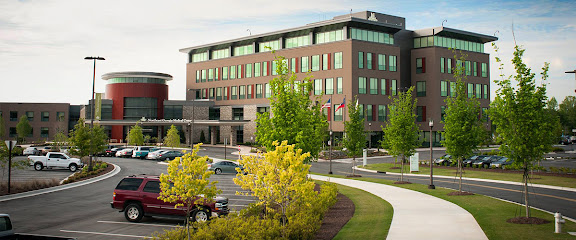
153 205
53 160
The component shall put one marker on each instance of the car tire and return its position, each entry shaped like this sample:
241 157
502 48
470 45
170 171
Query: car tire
38 166
218 171
73 167
133 212
200 215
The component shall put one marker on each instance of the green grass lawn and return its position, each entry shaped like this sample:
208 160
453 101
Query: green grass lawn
475 173
372 216
491 214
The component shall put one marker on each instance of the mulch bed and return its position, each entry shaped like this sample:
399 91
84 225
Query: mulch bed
352 176
527 220
336 217
402 182
457 193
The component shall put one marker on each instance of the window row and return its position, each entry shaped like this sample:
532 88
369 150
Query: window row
371 36
377 61
44 132
376 86
326 61
440 41
373 113
44 116
469 68
477 90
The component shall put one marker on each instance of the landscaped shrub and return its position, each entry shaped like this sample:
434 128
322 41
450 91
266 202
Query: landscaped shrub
554 169
557 149
97 167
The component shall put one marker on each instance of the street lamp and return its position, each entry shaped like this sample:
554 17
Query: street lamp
93 103
331 143
431 186
369 135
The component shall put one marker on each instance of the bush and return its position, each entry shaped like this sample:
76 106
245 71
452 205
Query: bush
554 169
557 149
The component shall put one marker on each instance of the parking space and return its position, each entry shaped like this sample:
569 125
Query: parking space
29 174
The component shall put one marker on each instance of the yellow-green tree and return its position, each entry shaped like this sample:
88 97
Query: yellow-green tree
172 139
135 136
279 180
187 179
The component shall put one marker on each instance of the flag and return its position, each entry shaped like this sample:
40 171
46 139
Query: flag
326 105
342 105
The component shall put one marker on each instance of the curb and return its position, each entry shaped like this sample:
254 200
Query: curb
476 179
61 187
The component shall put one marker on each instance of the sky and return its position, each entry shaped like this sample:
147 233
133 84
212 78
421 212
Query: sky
43 42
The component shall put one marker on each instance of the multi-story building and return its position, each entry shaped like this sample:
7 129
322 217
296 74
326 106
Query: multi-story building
366 55
46 119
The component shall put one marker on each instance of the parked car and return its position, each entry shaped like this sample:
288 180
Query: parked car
46 149
468 161
444 160
224 167
169 155
137 196
565 140
485 161
31 151
55 160
7 232
141 152
126 152
112 152
103 153
501 163
154 154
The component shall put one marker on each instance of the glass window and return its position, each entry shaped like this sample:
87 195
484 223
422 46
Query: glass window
338 113
242 92
131 184
172 111
199 57
30 116
452 89
218 93
339 89
421 89
243 50
478 91
442 112
420 63
269 46
442 67
420 113
44 132
293 65
468 68
222 53
13 116
369 116
485 91
338 60
257 70
325 62
210 75
361 110
317 86
274 68
381 62
369 60
239 74
232 72
234 92
248 73
316 63
198 76
449 65
224 73
325 37
60 117
470 90
249 92
267 92
484 70
203 75
361 85
374 86
265 69
475 67
382 113
304 64
392 63
258 90
211 93
393 87
443 88
371 36
360 59
329 86
298 41
45 116
12 132
383 86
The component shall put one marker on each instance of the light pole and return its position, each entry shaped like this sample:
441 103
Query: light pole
331 142
93 103
431 186
369 135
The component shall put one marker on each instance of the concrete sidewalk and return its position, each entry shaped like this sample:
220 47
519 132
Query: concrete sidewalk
418 215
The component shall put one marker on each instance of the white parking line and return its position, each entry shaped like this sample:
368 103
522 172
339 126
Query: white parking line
107 234
141 224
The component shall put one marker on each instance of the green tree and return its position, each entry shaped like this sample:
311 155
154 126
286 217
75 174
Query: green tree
23 129
187 179
567 113
401 133
293 115
172 139
2 126
463 130
355 137
519 113
135 136
85 141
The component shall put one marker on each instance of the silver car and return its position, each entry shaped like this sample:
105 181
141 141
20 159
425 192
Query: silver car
224 167
31 151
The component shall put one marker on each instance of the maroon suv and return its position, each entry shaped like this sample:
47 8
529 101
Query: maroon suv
137 196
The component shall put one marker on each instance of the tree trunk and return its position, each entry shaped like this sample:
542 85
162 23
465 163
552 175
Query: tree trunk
353 165
526 172
460 170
